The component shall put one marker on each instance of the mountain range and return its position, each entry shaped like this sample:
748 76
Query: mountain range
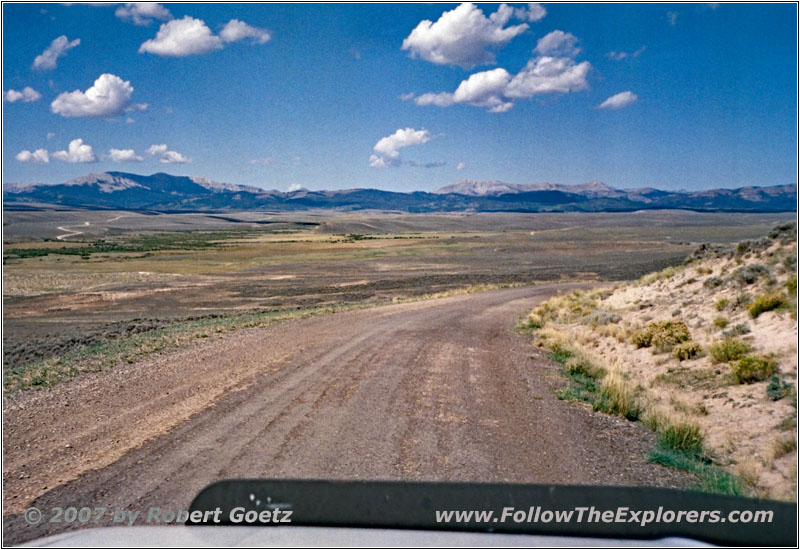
168 193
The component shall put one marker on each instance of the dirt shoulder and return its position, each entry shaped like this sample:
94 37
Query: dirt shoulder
436 390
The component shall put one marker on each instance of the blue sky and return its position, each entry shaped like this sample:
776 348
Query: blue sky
403 96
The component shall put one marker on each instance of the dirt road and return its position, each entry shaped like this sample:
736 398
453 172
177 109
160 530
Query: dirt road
434 390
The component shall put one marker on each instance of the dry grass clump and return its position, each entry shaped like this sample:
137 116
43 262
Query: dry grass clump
764 303
727 350
687 350
753 368
662 336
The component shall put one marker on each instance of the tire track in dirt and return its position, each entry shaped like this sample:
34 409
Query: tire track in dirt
436 390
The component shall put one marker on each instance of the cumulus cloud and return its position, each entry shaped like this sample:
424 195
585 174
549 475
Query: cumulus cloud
534 12
294 187
618 101
387 149
39 156
124 155
76 152
136 107
558 43
182 37
460 166
547 75
26 95
109 96
166 156
496 89
142 13
235 30
58 48
463 36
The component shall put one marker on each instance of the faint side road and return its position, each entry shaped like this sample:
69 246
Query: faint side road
436 390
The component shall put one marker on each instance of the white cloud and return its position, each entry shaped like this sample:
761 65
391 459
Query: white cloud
143 13
497 89
485 89
166 156
534 12
50 135
462 36
26 95
124 155
182 37
39 156
460 166
619 56
294 187
266 161
558 44
547 75
129 120
672 18
58 48
442 99
109 95
76 152
136 107
235 30
618 101
387 148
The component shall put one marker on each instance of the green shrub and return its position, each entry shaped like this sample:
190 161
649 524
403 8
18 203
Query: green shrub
721 304
765 302
559 353
721 322
753 368
729 349
687 350
777 389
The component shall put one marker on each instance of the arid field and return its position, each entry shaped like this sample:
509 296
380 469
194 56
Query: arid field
78 284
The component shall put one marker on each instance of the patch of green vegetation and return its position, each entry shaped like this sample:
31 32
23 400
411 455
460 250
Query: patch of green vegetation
721 304
753 368
777 389
764 303
712 478
177 240
712 282
727 350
